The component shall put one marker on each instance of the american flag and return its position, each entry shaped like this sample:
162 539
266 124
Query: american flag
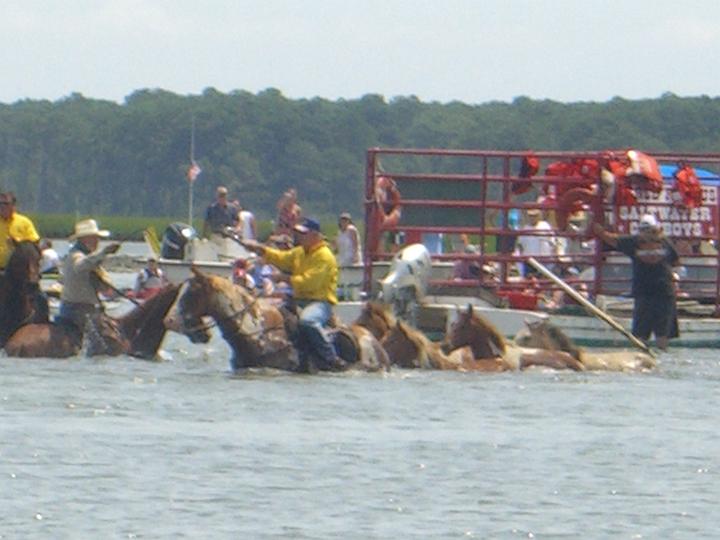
193 171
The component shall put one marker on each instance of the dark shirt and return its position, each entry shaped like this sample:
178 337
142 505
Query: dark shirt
218 217
650 278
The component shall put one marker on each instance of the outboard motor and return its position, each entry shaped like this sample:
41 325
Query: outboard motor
406 283
174 240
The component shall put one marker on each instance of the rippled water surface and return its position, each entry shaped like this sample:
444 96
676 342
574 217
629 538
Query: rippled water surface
123 448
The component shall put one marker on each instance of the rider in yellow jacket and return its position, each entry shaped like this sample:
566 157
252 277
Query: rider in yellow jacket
13 227
313 275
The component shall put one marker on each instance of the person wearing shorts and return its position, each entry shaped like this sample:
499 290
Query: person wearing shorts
653 287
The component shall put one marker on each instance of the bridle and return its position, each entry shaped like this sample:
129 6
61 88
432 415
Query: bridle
239 314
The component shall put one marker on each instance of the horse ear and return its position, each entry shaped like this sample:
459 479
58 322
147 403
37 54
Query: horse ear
194 270
469 311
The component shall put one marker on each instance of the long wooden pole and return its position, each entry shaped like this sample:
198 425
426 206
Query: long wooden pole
592 308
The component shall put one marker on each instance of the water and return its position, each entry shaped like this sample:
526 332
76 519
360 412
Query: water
123 448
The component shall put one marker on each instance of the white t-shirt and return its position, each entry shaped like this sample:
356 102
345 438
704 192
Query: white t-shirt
50 260
246 223
348 251
537 245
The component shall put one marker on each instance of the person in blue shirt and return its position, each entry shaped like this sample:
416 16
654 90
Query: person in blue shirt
653 286
220 215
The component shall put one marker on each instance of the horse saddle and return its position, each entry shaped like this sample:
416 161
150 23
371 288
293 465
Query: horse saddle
345 343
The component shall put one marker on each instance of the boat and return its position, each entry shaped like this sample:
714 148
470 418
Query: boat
481 193
448 193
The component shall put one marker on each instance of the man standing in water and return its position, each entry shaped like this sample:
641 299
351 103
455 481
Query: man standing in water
653 257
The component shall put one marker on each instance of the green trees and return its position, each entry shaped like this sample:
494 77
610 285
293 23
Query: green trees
98 157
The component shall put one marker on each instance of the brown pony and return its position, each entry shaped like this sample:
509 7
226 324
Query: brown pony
409 348
139 333
469 329
546 335
376 317
257 330
20 299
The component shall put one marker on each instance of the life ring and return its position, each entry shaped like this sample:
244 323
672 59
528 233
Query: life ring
573 201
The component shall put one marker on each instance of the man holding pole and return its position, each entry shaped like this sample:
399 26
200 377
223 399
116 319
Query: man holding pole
653 257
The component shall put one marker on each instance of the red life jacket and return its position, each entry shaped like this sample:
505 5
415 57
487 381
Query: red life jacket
645 167
528 168
687 190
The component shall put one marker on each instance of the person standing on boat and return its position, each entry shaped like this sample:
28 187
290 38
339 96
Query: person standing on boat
83 275
536 245
219 215
149 280
314 277
14 227
653 289
289 213
347 242
49 258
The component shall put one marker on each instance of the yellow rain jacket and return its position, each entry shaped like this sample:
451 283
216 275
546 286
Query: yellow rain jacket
18 228
314 274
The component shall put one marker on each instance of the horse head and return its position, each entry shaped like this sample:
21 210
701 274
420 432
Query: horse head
542 334
144 326
23 267
185 316
470 329
20 301
401 348
376 318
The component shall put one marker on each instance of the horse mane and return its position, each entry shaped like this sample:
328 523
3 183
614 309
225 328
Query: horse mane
137 316
234 291
481 325
421 342
376 311
562 341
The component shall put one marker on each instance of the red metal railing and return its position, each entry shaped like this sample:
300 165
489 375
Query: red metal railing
488 176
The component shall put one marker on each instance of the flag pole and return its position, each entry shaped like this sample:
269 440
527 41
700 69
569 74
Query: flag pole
191 181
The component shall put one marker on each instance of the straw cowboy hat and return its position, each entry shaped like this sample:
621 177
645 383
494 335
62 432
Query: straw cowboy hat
88 227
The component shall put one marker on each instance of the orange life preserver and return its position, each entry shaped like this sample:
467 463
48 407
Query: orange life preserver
645 167
587 170
686 190
573 201
528 168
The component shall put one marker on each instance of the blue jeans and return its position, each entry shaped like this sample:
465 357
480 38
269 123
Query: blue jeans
314 317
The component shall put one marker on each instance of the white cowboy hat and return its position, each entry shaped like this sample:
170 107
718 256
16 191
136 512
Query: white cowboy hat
88 227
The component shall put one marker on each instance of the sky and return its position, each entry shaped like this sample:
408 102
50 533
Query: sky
474 51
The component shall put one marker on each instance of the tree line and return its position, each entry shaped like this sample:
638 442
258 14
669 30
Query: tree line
95 157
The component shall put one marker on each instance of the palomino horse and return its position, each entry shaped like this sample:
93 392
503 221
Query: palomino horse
410 348
139 333
469 329
258 332
548 336
20 299
376 317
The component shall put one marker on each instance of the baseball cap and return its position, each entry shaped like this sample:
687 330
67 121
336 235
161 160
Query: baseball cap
307 225
648 221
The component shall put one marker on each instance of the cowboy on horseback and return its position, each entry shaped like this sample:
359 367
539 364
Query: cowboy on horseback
83 274
314 275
